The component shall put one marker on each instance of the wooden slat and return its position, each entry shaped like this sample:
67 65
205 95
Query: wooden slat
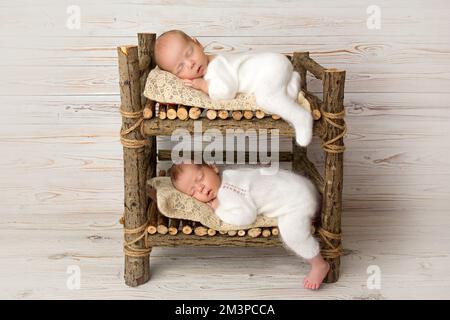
165 155
164 127
217 240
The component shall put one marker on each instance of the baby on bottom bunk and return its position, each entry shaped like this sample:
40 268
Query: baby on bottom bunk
268 76
238 195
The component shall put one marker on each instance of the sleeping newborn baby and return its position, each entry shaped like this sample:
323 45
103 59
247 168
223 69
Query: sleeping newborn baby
237 196
268 76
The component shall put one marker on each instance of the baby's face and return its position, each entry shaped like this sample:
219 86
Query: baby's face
185 59
201 183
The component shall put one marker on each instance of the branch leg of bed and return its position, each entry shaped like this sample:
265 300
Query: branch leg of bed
137 149
333 145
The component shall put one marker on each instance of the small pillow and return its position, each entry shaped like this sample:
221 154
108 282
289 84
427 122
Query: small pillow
175 204
165 87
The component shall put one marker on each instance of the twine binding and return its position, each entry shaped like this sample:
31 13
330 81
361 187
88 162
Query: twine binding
133 143
329 146
129 247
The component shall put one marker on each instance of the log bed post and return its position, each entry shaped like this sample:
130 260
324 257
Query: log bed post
298 152
137 156
333 98
300 68
333 103
146 48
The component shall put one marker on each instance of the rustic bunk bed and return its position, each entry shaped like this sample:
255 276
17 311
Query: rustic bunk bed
144 225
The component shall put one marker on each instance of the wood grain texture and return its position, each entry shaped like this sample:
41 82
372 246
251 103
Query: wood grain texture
61 164
135 164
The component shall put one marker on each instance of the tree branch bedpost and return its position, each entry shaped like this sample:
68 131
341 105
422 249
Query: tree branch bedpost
333 145
138 153
146 49
298 152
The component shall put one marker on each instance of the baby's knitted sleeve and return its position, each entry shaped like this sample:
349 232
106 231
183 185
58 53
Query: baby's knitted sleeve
222 80
235 205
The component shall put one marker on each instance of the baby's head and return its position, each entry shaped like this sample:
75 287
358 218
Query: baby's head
181 55
201 181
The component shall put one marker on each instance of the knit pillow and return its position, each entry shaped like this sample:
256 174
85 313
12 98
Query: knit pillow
165 87
175 204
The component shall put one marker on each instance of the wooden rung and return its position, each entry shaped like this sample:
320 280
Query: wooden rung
248 114
260 114
275 231
211 114
182 113
158 127
171 112
237 115
283 156
266 233
173 226
185 227
254 232
232 233
223 114
162 114
147 113
194 113
312 66
167 240
201 231
161 227
153 218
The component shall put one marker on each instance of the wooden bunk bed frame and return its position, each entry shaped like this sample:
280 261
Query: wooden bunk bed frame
140 127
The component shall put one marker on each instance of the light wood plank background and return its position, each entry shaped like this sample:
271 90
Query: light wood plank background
61 183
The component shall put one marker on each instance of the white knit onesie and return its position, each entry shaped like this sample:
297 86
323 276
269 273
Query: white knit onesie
282 194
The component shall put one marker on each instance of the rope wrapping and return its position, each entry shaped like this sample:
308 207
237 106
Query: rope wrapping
129 247
332 251
133 143
329 146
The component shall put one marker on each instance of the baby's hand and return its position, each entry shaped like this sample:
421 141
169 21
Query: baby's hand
214 203
198 83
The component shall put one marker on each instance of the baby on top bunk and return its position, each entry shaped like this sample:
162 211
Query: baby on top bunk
237 196
268 76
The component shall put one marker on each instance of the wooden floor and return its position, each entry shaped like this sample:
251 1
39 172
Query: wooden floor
410 250
61 174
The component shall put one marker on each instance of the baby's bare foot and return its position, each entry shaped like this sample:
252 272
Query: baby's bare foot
315 277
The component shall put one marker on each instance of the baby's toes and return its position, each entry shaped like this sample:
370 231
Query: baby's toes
306 284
